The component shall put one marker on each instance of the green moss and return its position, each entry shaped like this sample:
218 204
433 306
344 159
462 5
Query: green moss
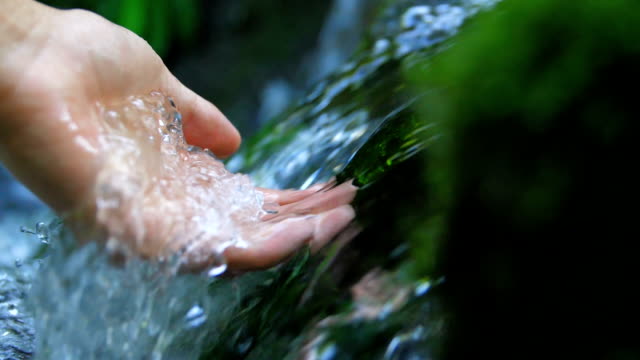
538 113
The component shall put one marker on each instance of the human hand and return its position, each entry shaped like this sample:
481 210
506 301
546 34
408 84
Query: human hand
55 84
163 196
53 70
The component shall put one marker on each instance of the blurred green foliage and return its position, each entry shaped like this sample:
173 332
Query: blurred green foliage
532 180
160 22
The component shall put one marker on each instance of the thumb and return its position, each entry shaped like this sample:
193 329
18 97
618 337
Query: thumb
203 124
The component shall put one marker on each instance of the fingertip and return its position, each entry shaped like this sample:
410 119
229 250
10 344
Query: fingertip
330 225
204 125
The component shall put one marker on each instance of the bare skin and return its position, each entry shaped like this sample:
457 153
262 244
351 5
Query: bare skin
57 65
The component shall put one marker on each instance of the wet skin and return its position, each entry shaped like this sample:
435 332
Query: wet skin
56 66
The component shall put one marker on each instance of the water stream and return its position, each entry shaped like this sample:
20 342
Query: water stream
83 307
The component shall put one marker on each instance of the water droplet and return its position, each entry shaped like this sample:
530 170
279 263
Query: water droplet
138 103
42 231
381 46
422 288
217 270
195 317
173 128
18 263
194 149
177 119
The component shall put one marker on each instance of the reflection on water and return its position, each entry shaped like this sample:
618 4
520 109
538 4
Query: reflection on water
86 308
318 138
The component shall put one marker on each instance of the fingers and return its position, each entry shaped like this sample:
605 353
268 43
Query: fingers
293 227
203 124
283 239
311 217
329 224
284 197
279 241
316 203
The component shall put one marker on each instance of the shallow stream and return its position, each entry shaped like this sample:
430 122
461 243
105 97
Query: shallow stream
69 302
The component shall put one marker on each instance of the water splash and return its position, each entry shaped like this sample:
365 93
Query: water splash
16 323
157 195
153 192
87 308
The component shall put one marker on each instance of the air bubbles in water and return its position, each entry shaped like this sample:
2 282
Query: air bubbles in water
158 194
12 310
41 232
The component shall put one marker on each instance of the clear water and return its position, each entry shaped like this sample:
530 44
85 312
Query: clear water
341 112
158 195
84 307
142 308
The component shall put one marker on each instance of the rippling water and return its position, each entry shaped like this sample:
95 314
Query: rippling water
86 308
318 138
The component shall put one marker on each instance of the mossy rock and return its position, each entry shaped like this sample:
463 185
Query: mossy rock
538 112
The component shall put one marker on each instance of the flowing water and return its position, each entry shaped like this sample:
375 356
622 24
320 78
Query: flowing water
84 307
153 185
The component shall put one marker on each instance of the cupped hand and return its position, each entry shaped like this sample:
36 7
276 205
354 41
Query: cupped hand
50 82
67 66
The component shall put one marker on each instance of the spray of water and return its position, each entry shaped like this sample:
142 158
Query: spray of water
157 195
